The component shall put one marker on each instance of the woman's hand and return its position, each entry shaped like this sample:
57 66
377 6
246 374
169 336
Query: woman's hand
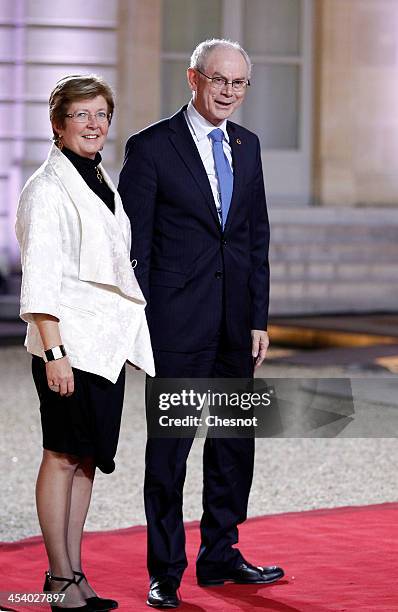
59 372
60 376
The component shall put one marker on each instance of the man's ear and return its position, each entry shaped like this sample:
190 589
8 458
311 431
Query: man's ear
192 77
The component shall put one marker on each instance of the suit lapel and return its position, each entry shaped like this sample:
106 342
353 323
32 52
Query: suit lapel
184 144
238 147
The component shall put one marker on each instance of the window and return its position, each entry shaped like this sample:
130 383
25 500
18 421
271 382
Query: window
278 36
185 24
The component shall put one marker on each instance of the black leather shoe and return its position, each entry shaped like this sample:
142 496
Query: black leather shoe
95 603
244 574
163 594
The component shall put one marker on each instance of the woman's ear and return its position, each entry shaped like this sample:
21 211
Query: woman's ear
57 129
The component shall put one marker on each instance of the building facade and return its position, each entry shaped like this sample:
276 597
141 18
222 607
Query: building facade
322 100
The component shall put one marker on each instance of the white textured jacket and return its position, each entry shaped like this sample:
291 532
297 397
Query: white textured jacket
76 267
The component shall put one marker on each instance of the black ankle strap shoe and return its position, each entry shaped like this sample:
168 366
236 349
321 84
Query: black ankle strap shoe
97 604
68 581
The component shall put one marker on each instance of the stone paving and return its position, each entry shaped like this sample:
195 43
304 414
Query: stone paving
291 474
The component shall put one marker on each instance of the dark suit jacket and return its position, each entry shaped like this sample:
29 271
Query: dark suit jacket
194 275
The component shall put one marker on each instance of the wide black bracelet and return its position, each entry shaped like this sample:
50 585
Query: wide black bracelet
52 354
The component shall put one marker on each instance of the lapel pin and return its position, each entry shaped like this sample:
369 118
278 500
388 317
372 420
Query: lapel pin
238 141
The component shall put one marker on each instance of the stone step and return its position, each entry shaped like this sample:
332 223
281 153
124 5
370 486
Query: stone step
306 297
337 252
330 234
373 216
281 307
333 261
282 272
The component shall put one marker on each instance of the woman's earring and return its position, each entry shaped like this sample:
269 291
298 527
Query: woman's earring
59 142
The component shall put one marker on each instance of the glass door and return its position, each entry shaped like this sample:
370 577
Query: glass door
278 37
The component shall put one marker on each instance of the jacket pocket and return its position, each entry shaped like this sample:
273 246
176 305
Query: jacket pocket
78 309
166 278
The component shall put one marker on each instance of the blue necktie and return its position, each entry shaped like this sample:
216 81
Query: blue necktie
224 173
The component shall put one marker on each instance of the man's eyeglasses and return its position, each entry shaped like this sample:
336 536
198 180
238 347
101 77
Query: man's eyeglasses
219 82
84 116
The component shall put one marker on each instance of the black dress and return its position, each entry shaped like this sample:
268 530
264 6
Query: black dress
87 423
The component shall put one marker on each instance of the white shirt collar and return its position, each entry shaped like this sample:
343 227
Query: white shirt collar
200 126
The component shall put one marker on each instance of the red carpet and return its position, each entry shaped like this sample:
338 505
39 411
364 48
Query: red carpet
340 559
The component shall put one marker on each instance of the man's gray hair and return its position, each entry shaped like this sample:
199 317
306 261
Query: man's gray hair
201 53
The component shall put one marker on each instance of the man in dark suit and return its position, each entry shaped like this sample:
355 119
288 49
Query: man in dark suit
193 188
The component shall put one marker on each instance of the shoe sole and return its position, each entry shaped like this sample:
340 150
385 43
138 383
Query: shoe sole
151 605
210 583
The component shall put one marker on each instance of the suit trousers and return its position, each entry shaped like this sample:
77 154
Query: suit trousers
227 475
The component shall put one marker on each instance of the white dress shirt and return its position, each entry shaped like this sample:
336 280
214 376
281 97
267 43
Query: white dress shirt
200 129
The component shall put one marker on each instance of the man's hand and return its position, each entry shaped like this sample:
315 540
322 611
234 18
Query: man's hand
260 343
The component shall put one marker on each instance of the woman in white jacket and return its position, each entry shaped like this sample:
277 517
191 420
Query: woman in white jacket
85 315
